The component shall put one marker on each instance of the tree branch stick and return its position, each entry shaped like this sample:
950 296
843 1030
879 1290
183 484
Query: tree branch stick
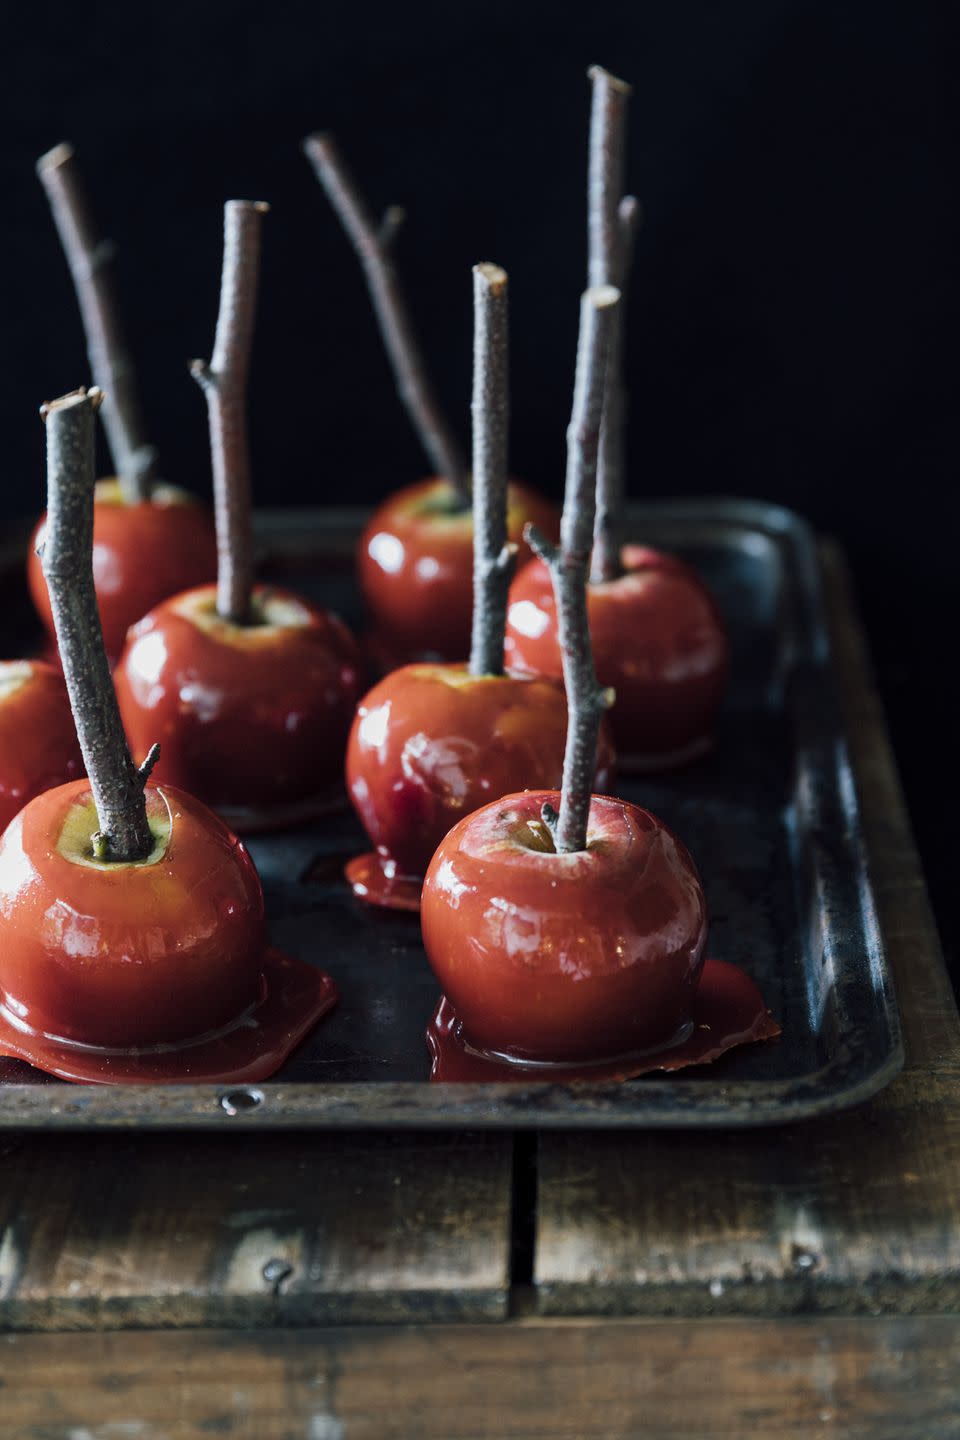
608 534
89 261
605 174
373 246
568 571
67 559
224 383
493 558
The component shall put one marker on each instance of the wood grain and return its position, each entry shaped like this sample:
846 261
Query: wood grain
107 1231
843 1379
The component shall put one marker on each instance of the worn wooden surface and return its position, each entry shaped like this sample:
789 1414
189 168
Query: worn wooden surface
844 1379
110 1230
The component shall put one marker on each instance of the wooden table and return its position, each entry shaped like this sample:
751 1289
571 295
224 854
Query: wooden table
801 1282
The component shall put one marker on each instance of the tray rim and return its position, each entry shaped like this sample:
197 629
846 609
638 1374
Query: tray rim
687 1102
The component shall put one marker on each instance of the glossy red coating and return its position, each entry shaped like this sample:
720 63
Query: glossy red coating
38 742
141 554
429 744
728 1010
252 719
168 953
416 567
565 958
658 640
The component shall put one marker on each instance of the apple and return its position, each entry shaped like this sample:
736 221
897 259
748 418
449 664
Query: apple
142 553
658 641
431 743
416 567
148 970
38 742
250 718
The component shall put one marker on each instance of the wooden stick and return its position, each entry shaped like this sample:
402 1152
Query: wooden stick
67 559
89 260
224 383
608 534
568 567
605 239
493 557
373 244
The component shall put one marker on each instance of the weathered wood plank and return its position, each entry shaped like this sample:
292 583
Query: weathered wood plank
858 1212
844 1379
106 1231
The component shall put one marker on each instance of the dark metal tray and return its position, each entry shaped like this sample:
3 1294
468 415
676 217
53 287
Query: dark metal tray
771 818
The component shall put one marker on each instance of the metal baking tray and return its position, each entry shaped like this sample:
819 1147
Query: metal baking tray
771 818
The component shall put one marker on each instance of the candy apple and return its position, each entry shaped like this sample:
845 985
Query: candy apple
658 642
416 561
429 744
144 550
250 690
253 717
38 744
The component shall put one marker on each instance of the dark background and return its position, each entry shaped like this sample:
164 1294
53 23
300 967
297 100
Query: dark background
792 324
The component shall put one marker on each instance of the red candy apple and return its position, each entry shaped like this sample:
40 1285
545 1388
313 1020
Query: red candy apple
252 717
249 690
415 557
416 566
571 957
658 642
38 743
143 552
431 743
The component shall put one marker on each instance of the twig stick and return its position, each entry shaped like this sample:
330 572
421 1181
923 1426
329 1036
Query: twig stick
224 383
605 246
611 466
67 559
373 244
89 260
568 571
493 557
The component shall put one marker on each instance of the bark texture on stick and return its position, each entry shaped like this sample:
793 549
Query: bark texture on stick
569 567
493 557
89 259
224 383
67 559
373 244
608 244
608 530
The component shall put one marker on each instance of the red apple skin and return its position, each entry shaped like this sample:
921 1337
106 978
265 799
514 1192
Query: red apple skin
416 566
658 640
247 717
38 742
557 958
129 955
431 743
141 554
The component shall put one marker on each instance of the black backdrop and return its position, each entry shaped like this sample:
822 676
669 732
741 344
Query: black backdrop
792 320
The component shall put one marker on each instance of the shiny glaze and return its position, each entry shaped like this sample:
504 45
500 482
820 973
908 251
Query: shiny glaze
658 640
728 1010
431 743
141 555
565 958
252 719
166 953
38 742
416 567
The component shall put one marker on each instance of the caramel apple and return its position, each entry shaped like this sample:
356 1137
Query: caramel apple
415 553
432 742
658 638
38 744
249 689
134 944
568 930
150 540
